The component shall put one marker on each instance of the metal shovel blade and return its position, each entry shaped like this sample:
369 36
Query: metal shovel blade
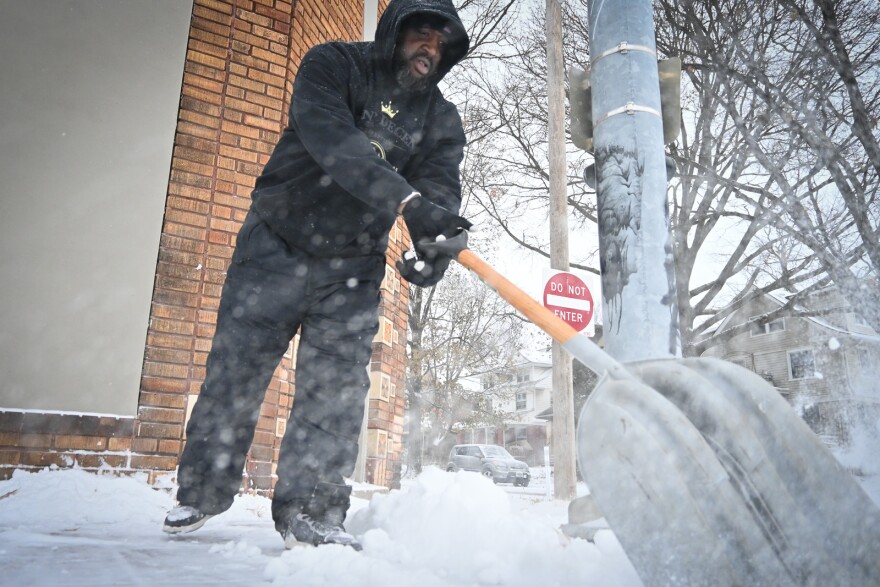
707 477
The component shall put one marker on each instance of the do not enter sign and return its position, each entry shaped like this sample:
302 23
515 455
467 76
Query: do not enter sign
567 296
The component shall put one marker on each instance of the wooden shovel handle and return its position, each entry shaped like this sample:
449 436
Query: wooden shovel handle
535 312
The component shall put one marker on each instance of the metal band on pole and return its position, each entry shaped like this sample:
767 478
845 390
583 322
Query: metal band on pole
630 108
624 47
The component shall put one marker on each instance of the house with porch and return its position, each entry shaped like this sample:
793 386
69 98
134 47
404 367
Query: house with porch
819 353
519 395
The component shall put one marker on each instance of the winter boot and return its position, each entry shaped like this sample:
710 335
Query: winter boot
320 522
184 518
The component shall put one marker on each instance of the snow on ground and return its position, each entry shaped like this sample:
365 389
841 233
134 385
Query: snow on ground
72 528
862 456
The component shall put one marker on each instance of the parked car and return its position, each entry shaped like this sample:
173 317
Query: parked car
491 461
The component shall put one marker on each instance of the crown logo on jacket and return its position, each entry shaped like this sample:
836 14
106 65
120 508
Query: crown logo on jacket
389 110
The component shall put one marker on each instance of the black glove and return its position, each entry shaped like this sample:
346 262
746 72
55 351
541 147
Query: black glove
422 272
426 220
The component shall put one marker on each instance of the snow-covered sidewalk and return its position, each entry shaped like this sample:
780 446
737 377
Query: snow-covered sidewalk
441 529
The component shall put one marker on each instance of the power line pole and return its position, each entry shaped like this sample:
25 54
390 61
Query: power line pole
638 280
563 402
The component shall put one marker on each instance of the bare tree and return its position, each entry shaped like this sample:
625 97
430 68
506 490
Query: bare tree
506 168
808 71
457 329
719 192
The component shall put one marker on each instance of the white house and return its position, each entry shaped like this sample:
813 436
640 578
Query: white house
821 356
519 396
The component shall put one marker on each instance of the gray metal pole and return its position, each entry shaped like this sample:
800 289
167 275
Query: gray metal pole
564 476
371 16
640 319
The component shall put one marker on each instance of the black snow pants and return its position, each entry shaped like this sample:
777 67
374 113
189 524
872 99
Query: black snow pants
271 291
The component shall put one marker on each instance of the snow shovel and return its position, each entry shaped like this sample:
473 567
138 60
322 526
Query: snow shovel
703 471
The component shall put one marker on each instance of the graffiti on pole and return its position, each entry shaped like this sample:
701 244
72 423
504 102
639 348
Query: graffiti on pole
619 184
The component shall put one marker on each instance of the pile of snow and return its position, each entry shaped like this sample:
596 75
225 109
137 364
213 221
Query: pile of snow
440 530
861 455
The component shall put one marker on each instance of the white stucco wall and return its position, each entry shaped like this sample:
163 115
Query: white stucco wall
88 107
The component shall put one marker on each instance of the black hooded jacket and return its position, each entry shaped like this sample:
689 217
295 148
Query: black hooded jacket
357 144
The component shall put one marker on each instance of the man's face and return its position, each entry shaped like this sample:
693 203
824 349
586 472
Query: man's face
418 54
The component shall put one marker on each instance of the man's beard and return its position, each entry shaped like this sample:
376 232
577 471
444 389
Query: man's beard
407 79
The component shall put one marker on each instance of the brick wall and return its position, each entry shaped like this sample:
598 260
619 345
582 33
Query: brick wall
31 440
241 59
388 373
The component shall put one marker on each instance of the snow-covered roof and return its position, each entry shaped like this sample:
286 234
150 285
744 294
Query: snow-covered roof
781 301
869 338
538 358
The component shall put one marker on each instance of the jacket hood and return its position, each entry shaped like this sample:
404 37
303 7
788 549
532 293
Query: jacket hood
399 10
